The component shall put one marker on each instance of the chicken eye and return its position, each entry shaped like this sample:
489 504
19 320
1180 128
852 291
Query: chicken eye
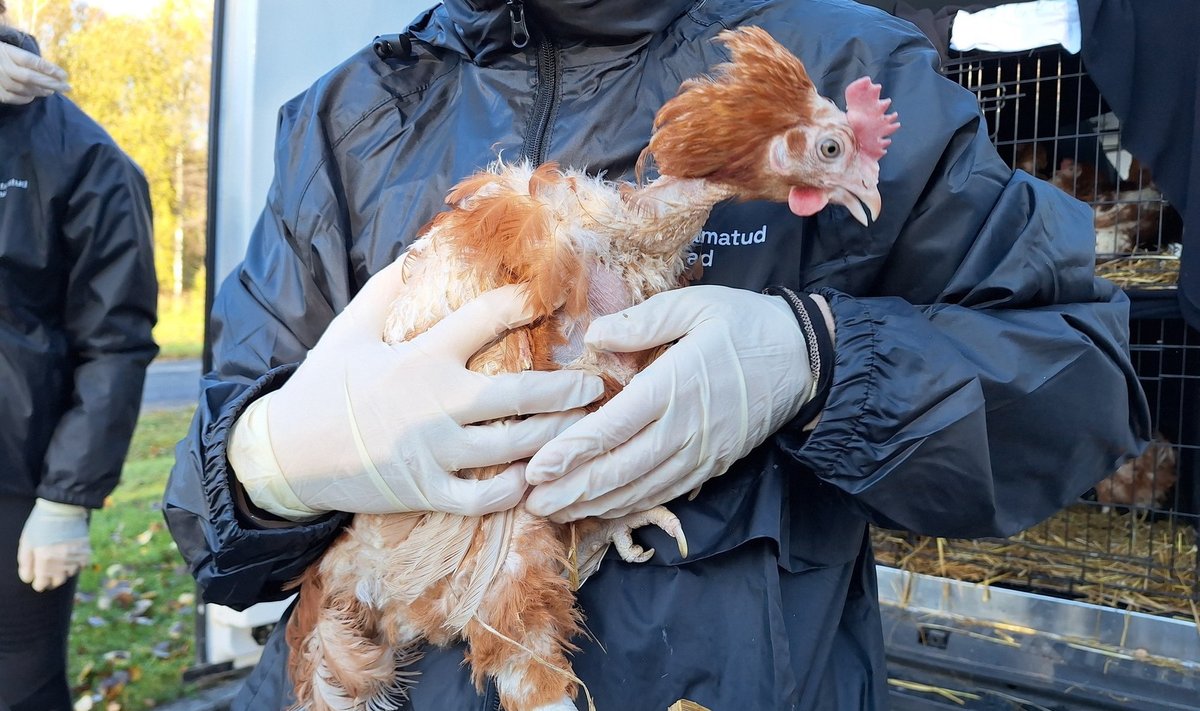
830 148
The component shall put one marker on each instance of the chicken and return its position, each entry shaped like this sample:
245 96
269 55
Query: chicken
1125 219
583 247
1031 157
1143 482
1138 175
1128 220
1080 180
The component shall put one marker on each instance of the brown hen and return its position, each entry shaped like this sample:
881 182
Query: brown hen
1125 220
1144 482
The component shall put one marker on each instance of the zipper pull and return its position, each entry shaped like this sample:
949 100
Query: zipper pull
520 33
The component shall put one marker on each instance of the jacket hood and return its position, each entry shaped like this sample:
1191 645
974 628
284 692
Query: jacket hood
483 29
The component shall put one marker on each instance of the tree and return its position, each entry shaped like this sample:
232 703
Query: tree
145 79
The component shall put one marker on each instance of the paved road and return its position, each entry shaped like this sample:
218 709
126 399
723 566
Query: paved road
171 384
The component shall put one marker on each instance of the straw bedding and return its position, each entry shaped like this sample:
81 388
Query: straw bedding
1114 558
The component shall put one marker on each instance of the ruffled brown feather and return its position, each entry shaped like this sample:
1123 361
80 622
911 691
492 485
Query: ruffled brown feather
508 236
718 127
337 658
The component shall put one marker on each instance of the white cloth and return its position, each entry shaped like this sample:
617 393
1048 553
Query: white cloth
739 371
1018 26
54 544
369 427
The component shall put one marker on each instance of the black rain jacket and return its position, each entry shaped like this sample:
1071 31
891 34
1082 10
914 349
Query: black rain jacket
981 378
77 301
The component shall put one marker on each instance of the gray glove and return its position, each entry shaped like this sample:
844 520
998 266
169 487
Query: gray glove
54 544
24 76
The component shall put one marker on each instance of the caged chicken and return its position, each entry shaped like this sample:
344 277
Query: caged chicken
1031 157
1126 218
1081 180
583 247
1143 482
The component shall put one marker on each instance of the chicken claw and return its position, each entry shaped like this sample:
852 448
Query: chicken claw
595 535
621 530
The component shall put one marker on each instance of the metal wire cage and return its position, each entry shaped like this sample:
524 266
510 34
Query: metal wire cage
1046 116
1131 542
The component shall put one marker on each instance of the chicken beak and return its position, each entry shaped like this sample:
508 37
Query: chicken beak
869 198
860 195
863 203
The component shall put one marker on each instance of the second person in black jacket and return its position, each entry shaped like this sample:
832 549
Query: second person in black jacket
77 305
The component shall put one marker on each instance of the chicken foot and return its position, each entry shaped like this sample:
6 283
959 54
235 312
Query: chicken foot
595 535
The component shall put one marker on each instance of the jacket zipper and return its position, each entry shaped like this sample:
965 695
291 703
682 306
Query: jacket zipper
545 100
520 32
491 697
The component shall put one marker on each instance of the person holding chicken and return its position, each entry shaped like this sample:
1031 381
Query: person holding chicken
932 351
77 305
965 340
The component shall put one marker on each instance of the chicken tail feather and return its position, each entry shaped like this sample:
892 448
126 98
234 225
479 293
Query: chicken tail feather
337 658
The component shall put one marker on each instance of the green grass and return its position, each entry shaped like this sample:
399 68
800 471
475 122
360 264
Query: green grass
180 329
132 629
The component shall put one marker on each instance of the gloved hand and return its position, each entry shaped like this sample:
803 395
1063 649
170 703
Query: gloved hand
739 371
54 544
24 76
367 427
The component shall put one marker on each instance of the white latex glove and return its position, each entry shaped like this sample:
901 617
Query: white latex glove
24 76
1017 26
54 544
739 371
367 427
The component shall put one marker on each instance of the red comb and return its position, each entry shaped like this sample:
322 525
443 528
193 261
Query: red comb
867 115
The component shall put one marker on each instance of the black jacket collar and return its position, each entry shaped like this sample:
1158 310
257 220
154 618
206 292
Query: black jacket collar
482 30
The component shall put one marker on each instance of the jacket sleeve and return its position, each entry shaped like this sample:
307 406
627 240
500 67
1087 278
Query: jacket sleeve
267 315
109 313
985 381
